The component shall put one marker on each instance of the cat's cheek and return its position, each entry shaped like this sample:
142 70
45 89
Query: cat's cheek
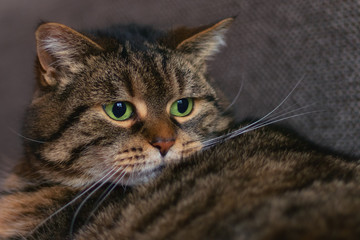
185 146
126 165
135 160
96 164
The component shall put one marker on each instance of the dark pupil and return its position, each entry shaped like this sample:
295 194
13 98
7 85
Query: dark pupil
183 105
119 109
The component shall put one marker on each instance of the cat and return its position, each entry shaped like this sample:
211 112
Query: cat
127 138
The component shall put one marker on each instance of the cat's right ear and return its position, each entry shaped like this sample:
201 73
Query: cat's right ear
59 48
200 43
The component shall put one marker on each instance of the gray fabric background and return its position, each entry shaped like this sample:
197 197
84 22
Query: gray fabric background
272 45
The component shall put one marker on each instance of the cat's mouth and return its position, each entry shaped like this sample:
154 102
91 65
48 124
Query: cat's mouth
139 166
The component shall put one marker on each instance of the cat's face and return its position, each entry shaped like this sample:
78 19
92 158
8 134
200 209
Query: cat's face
118 114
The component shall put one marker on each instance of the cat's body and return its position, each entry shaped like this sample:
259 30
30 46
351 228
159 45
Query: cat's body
262 185
115 131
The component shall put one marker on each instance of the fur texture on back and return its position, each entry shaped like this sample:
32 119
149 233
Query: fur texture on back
127 138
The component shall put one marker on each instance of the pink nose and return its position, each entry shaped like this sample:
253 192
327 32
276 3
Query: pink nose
163 145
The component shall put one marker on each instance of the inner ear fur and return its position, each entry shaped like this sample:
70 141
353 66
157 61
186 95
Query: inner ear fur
60 46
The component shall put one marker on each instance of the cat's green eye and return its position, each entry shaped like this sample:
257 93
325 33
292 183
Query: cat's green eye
119 111
182 107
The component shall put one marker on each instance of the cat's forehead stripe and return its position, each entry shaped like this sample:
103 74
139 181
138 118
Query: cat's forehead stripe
180 80
156 77
148 77
128 85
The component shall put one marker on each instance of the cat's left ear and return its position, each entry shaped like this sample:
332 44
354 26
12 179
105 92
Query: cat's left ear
202 42
61 48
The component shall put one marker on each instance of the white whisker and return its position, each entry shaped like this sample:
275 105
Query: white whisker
26 138
20 235
260 125
263 121
291 108
279 120
106 193
283 113
131 175
280 104
87 198
237 95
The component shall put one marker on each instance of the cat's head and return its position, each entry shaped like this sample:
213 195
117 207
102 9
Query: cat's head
105 110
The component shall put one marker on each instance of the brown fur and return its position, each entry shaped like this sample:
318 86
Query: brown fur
87 176
20 210
75 143
262 185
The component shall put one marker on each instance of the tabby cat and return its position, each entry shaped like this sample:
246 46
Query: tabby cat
126 138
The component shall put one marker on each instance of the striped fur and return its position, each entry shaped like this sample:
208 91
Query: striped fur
80 139
85 176
76 143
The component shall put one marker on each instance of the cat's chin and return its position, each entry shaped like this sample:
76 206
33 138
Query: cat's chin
147 175
136 178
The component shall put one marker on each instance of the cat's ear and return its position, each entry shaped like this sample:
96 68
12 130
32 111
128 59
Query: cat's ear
202 42
60 48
